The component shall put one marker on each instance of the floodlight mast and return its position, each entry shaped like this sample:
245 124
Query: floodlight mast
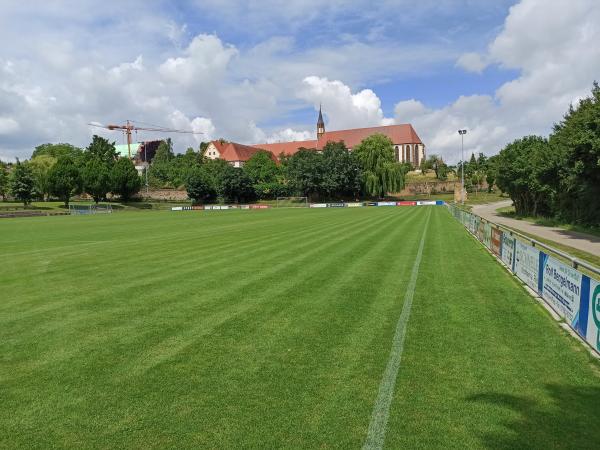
462 165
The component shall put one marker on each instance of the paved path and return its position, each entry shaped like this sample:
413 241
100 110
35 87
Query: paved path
580 241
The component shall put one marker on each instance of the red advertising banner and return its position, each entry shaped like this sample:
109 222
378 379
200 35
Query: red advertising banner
496 241
406 203
259 206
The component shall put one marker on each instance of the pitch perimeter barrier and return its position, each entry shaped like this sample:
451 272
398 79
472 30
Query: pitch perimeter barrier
313 205
573 295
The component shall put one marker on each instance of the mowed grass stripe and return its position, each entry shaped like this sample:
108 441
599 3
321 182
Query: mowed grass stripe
379 418
484 365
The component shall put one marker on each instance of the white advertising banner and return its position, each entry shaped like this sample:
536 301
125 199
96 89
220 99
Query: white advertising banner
508 250
487 235
318 205
527 264
426 202
561 288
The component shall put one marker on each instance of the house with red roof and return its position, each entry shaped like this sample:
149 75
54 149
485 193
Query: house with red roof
408 147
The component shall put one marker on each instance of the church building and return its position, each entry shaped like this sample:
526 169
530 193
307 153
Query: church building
408 147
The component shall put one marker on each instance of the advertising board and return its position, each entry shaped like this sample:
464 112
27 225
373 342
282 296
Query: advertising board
507 251
562 289
527 264
496 241
592 335
487 235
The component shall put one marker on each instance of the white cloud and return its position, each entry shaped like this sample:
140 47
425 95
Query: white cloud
8 125
553 44
472 62
342 108
288 134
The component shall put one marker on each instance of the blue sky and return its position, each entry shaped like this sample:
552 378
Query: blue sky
255 71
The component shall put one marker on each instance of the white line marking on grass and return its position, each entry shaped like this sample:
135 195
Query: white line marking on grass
379 418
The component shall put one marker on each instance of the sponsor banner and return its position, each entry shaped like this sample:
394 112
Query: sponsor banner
496 241
406 203
259 206
592 335
371 203
177 208
439 202
354 205
487 235
336 205
426 202
527 264
318 205
508 250
562 289
197 207
245 206
386 203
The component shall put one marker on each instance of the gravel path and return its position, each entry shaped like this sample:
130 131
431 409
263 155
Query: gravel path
581 241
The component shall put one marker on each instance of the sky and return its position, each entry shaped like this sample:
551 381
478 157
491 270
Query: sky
257 71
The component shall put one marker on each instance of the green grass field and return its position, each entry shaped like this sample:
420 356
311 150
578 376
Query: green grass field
262 329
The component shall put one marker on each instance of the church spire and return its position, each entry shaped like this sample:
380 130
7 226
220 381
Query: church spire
320 125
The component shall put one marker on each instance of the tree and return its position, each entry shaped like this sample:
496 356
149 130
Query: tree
263 173
235 186
342 172
477 178
64 179
381 173
22 183
199 185
527 170
101 149
41 166
96 178
491 172
124 178
57 150
164 152
304 172
437 164
576 141
4 181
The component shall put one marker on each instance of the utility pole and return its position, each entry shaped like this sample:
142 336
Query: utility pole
147 164
462 165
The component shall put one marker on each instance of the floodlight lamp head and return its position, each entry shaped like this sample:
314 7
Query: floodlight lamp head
462 132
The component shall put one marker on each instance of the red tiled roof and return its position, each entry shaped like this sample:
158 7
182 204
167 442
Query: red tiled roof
399 134
220 145
239 152
287 148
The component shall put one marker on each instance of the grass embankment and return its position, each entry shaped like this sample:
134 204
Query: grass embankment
273 328
509 211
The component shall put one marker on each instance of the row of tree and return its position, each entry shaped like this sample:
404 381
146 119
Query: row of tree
557 176
335 173
62 171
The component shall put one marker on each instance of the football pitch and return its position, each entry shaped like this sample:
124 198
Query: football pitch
299 328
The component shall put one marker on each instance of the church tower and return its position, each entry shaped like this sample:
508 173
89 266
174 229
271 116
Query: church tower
320 125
